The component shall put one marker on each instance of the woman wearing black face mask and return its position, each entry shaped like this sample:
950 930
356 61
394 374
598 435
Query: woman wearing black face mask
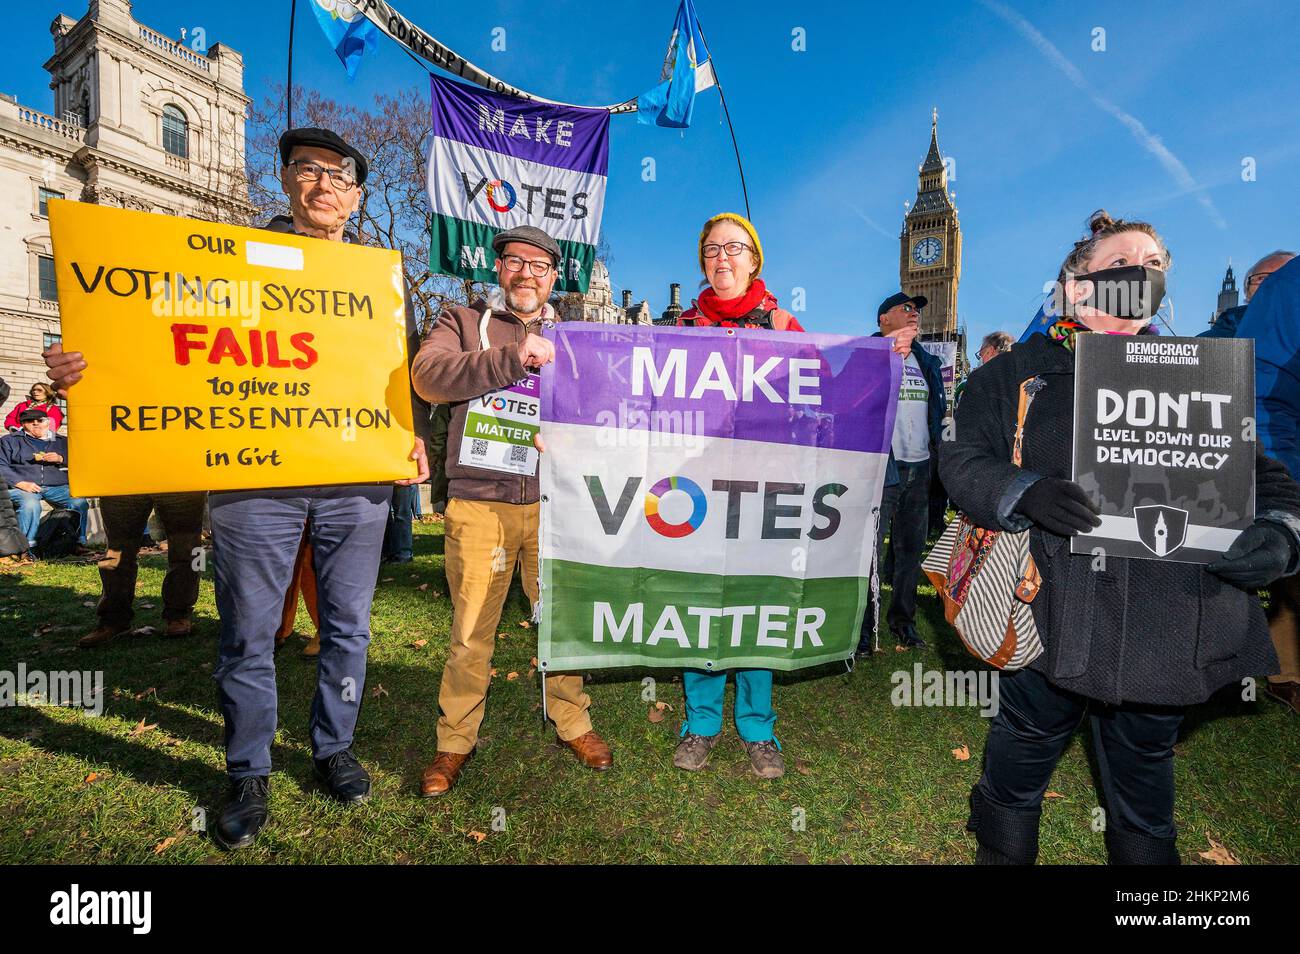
1131 642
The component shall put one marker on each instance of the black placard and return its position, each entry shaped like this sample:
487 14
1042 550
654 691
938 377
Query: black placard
1164 441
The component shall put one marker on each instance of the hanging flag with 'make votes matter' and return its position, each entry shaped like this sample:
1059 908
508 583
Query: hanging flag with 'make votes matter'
687 71
347 30
497 162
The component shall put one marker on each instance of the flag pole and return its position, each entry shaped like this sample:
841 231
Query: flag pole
288 97
727 113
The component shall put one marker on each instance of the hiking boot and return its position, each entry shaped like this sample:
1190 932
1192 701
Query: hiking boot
765 758
693 751
101 635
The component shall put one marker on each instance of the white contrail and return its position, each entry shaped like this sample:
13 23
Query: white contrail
1148 140
863 216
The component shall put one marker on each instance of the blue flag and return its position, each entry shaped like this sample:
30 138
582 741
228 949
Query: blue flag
687 71
347 30
1042 321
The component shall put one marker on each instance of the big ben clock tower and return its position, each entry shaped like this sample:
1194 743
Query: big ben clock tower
930 262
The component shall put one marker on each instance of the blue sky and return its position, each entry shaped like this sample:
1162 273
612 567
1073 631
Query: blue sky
1042 129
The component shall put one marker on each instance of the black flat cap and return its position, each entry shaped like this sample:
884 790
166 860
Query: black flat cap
325 139
529 235
32 414
920 301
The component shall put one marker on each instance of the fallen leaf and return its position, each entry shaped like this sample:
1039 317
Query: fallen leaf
900 649
151 691
387 579
961 754
655 714
477 837
163 845
801 766
422 587
88 603
304 833
420 643
511 676
1053 795
531 671
141 728
661 706
92 778
144 631
378 691
533 663
147 605
526 624
493 673
1219 854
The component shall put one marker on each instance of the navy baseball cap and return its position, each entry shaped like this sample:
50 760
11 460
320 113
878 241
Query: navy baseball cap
920 301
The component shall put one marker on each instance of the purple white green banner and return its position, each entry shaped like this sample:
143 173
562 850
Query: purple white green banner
709 495
496 162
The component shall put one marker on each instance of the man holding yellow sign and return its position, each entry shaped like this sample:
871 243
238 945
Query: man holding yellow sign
277 364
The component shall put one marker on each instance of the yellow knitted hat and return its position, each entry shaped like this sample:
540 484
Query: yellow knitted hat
745 224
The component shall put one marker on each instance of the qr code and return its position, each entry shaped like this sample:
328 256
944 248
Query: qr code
478 448
518 454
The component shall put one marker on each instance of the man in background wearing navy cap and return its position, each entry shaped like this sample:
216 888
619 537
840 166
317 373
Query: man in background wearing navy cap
905 503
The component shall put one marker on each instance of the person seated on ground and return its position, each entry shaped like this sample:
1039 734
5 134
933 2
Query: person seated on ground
35 469
40 398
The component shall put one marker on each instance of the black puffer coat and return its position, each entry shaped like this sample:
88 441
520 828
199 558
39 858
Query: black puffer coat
1137 631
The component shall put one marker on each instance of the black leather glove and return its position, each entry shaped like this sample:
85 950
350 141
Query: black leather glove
1059 506
1259 555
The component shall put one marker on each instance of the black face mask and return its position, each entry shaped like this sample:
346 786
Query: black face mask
1133 292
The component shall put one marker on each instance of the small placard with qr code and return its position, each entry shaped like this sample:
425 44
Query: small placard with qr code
499 429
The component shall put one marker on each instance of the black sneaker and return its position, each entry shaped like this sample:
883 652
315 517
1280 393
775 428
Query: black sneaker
908 639
245 813
344 777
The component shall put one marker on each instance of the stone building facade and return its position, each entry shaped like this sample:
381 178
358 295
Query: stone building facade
138 120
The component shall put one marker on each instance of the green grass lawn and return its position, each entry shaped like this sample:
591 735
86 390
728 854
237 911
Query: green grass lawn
870 782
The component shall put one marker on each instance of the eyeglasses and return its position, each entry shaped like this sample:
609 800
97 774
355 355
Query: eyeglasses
312 171
536 266
731 248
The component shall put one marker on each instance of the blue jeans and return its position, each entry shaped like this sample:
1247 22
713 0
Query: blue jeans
256 535
399 538
27 505
755 717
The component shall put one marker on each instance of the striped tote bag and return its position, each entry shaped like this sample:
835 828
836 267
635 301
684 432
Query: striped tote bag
987 579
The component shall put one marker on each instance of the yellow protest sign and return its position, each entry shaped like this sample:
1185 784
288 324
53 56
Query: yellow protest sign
221 357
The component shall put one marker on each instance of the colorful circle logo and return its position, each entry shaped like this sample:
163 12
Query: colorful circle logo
505 188
498 404
692 523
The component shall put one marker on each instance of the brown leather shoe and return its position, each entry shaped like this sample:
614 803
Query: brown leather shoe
312 649
178 628
1287 693
591 751
101 635
441 774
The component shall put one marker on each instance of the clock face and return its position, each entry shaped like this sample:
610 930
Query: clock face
927 251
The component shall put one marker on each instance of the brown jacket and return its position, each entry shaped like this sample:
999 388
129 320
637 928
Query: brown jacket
453 368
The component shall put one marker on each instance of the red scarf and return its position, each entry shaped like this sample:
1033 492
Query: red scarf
717 310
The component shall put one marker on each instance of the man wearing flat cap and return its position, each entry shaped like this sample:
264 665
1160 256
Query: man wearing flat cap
256 537
34 465
491 520
905 502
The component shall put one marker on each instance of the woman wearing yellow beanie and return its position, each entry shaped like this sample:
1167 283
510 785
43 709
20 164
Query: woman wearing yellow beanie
731 257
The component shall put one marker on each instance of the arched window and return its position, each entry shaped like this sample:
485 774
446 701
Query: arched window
175 132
